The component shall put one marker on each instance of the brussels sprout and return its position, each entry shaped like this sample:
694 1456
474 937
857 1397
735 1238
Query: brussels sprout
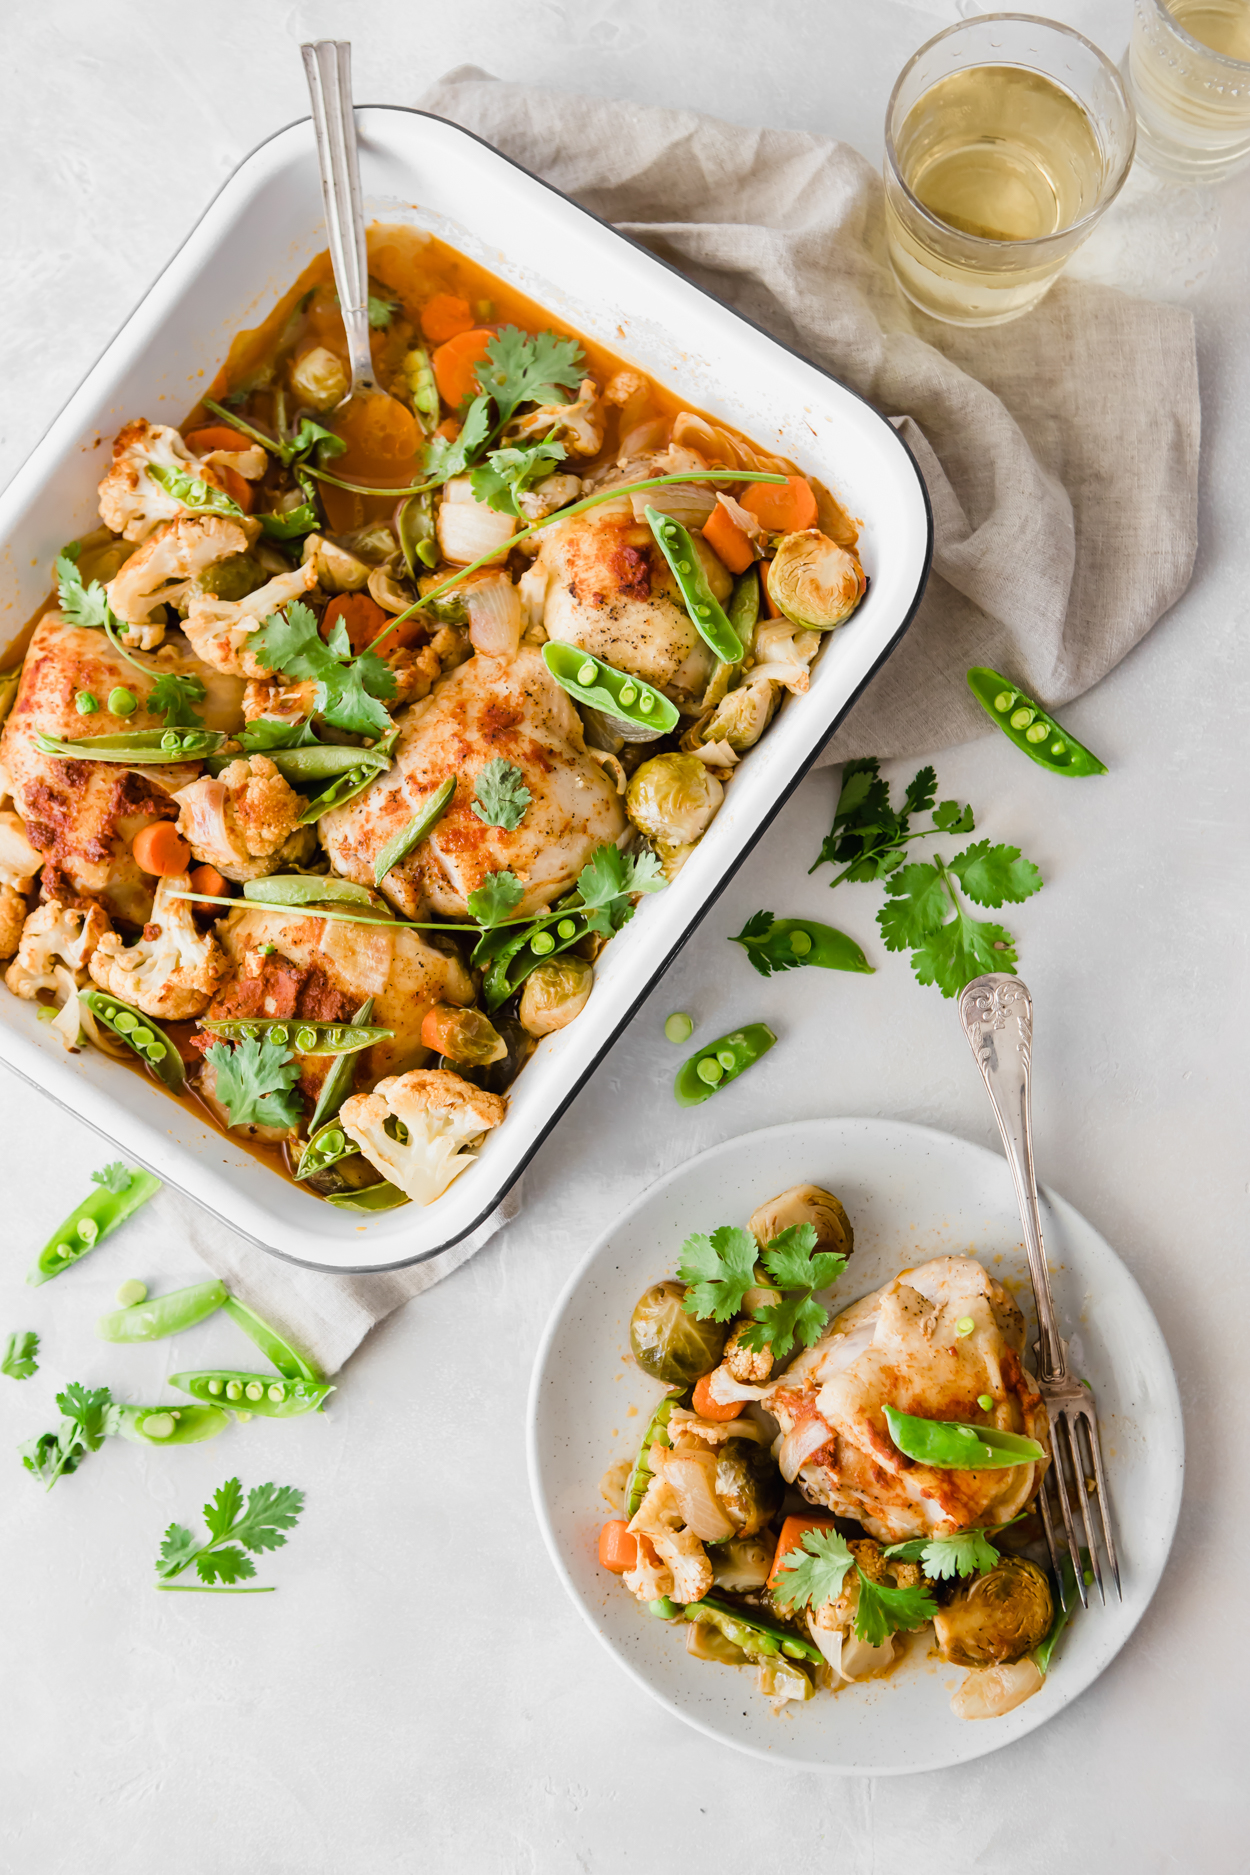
805 1204
337 569
375 542
463 1035
319 379
231 578
997 1617
814 581
672 798
742 717
670 1345
748 1484
554 993
705 1642
741 1564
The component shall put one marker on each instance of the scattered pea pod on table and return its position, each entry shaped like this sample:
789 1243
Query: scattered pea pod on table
269 1396
422 823
600 686
785 943
1029 726
949 1446
168 1425
163 1315
720 1062
306 1038
709 620
157 1050
145 746
288 1360
93 1220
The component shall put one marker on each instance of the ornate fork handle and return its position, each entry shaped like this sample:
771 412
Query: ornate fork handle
997 1016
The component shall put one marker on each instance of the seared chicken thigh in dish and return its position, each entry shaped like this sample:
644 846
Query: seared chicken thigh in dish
486 710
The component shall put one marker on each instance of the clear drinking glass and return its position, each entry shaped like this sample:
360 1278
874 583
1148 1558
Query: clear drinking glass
1006 138
1189 71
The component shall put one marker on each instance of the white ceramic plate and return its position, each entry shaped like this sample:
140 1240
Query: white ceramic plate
911 1194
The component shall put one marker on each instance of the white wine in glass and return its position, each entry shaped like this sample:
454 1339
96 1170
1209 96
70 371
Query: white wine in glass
1189 69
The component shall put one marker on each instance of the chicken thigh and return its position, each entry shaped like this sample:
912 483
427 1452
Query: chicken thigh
485 709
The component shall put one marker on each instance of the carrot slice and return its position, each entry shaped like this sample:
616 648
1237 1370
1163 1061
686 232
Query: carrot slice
793 1530
445 317
362 615
781 510
161 849
727 540
208 879
618 1550
239 490
215 436
450 428
455 365
708 1408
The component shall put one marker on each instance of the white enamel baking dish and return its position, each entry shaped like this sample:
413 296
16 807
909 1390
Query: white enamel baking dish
262 229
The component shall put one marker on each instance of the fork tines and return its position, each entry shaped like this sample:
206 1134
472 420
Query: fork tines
1076 1475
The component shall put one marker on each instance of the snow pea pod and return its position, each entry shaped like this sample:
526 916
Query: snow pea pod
787 942
423 822
414 526
338 1082
721 1061
656 1433
253 1393
307 888
687 569
288 1360
949 1446
168 1425
744 607
383 1197
325 761
306 1038
93 1220
326 1145
600 686
163 1315
1030 727
156 1050
145 746
516 953
352 782
753 1635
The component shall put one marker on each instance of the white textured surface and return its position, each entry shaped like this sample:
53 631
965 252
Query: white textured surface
419 1694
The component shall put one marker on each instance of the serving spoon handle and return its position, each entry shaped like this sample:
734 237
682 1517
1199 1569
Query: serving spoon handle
328 68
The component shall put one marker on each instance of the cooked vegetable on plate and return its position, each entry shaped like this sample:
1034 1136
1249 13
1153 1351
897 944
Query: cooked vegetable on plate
326 721
824 1481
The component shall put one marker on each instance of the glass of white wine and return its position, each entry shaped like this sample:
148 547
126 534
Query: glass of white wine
1189 71
1006 138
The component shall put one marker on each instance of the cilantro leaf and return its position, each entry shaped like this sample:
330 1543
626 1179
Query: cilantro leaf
813 1573
521 368
172 696
991 875
272 1509
883 1611
508 473
950 952
308 437
964 1553
254 1080
918 903
444 459
200 496
753 938
949 817
224 1565
348 689
956 953
84 1427
719 1270
868 837
920 792
178 1546
795 1266
20 1359
610 874
114 1177
224 1507
82 605
265 732
381 311
793 1261
498 895
88 1407
501 796
776 1325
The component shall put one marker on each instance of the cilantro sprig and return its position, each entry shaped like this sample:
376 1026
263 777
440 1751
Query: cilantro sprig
507 474
21 1354
254 1082
814 1573
868 835
603 896
518 368
86 1424
114 1177
962 1553
172 695
234 1529
501 797
350 690
721 1268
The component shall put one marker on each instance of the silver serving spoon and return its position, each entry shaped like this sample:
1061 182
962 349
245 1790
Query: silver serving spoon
328 68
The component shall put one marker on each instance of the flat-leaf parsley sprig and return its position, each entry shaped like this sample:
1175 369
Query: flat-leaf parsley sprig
813 1574
723 1267
234 1528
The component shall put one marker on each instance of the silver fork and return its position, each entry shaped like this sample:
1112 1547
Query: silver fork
997 1016
328 68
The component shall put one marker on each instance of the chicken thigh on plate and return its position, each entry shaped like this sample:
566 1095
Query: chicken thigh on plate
487 709
907 1345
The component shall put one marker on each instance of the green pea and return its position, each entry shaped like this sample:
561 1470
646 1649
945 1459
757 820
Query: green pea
132 1292
334 1142
646 703
684 566
280 1033
85 703
88 1229
965 1325
254 1390
216 1386
1036 732
1058 748
1004 700
629 693
727 1058
277 1391
986 1402
47 1012
1021 718
170 740
305 1038
710 1070
800 943
233 1390
679 1027
141 1037
542 942
157 1425
155 1051
664 1608
567 928
587 673
125 1022
123 702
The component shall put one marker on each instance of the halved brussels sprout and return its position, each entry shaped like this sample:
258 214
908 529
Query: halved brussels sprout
337 569
672 798
748 1484
814 581
462 1035
232 578
805 1204
670 1345
741 1564
318 378
554 993
997 1617
742 717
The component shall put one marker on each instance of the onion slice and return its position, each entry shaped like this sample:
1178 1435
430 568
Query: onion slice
799 1444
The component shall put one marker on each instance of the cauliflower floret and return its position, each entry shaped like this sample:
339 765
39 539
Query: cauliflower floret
659 1518
163 568
245 820
745 1364
19 860
56 935
578 426
172 972
219 628
132 503
412 1127
555 491
651 1577
12 919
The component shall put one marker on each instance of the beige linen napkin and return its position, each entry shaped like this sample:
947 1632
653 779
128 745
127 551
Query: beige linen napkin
1060 455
